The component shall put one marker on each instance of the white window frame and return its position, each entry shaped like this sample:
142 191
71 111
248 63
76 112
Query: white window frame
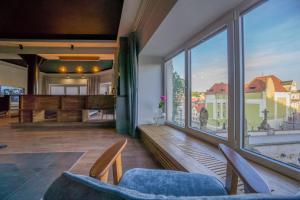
232 20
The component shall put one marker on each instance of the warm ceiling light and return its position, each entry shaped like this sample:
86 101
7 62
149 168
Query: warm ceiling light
62 69
95 69
79 69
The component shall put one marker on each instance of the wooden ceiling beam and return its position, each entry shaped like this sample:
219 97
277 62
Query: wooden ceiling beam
57 50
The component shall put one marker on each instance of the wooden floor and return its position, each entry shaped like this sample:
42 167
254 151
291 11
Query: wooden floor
176 150
91 141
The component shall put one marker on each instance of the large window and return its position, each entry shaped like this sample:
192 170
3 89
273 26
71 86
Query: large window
271 37
243 83
175 88
56 89
209 85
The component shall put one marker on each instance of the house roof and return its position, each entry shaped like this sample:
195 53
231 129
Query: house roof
290 82
218 88
259 84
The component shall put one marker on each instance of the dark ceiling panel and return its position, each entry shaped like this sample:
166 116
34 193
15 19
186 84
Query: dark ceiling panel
60 19
52 66
18 62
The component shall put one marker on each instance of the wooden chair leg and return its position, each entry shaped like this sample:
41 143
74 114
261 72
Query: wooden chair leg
104 177
231 180
117 169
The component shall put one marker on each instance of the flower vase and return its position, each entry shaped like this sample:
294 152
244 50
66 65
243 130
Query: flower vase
159 117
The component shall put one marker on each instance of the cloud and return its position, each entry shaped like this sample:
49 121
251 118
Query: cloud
205 76
269 58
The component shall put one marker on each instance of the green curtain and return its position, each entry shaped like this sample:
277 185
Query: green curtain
126 108
132 83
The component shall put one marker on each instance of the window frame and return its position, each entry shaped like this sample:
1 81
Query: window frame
214 28
263 160
233 21
206 38
165 87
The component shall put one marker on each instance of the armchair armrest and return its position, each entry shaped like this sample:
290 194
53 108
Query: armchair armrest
238 166
111 157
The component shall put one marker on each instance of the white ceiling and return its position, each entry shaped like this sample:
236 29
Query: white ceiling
128 17
186 18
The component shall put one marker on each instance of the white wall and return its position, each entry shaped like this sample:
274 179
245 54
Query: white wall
150 84
13 75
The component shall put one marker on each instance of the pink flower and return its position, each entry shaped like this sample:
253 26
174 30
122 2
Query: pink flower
163 98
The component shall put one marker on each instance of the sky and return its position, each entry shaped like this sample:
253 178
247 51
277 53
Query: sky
271 46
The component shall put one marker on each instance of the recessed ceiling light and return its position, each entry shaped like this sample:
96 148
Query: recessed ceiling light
79 69
96 69
62 69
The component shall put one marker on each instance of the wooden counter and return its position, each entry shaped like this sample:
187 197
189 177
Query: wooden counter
66 108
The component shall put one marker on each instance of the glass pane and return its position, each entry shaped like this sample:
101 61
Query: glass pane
105 88
57 90
175 72
272 77
71 90
83 90
209 86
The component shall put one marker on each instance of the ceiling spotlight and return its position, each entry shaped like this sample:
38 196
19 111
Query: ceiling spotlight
62 69
95 69
21 46
72 46
79 69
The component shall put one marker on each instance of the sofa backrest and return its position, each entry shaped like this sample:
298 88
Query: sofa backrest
78 187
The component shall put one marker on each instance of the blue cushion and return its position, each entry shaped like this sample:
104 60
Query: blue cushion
172 183
77 187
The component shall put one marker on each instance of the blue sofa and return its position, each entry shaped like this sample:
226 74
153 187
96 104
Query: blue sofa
147 184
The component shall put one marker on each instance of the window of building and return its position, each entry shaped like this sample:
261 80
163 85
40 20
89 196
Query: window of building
57 90
175 88
209 84
106 88
68 89
271 71
72 90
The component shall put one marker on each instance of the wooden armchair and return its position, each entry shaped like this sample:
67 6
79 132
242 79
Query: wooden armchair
145 184
237 166
111 157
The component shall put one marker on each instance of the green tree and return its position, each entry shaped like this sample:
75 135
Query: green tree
178 92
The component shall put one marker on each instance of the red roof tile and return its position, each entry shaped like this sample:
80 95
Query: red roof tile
259 84
218 88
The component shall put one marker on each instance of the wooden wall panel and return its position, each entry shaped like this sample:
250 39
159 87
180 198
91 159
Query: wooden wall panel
25 116
28 102
48 102
100 102
69 116
72 102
